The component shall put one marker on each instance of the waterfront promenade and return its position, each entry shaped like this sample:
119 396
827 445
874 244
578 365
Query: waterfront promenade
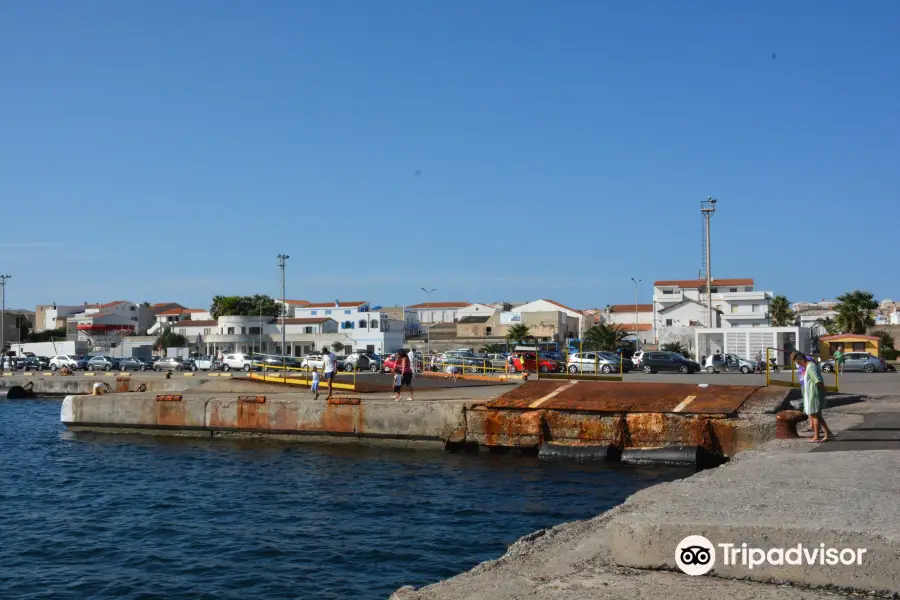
784 492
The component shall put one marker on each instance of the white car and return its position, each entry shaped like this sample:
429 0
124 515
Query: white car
67 360
203 363
237 362
318 360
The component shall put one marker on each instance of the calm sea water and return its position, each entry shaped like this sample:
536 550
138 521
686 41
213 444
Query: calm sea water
105 517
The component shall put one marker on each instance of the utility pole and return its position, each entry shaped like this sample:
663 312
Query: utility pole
281 259
428 304
707 208
637 282
3 279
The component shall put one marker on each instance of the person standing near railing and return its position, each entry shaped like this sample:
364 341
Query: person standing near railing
406 371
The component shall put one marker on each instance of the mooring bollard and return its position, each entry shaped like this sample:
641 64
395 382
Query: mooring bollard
786 424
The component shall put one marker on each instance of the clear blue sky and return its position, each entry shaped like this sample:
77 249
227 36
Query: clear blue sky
502 150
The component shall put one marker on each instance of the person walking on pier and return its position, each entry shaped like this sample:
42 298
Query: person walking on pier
813 387
314 387
330 367
406 371
839 360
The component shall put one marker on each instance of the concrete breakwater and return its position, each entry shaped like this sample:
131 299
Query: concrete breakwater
608 418
64 386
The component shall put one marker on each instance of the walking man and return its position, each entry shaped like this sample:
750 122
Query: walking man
412 360
839 360
330 369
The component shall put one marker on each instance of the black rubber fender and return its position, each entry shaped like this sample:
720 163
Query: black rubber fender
592 453
16 392
673 456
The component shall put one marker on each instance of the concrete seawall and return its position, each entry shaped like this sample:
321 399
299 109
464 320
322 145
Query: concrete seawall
64 386
245 409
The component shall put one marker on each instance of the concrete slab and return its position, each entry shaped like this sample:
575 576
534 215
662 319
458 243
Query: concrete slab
775 500
878 431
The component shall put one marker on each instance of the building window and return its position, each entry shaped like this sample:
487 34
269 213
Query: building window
255 330
715 290
231 331
313 312
346 312
732 289
754 308
668 291
362 323
734 308
748 289
373 324
327 312
859 346
207 331
307 330
694 323
487 331
668 322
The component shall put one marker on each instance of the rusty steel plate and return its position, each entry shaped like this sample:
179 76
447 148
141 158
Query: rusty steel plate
591 396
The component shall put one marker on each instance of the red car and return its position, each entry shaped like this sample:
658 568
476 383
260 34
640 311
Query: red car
547 365
390 363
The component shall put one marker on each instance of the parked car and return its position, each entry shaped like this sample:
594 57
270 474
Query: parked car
717 363
34 363
466 360
173 363
134 363
525 361
237 361
68 360
498 361
654 362
858 361
102 363
274 363
204 363
590 362
362 361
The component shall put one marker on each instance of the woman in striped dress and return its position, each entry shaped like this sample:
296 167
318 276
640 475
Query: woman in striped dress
813 387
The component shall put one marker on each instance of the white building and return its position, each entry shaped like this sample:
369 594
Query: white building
635 319
429 313
360 326
679 306
172 316
292 305
53 316
302 335
746 342
477 310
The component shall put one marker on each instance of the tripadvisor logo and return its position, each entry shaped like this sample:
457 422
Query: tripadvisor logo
696 555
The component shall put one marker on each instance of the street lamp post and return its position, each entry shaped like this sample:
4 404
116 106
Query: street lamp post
428 305
637 282
281 260
707 208
3 279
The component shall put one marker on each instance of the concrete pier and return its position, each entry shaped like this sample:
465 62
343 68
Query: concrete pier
722 421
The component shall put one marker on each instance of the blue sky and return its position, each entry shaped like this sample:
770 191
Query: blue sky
504 150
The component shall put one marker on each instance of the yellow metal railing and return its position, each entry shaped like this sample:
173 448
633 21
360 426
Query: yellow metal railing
794 383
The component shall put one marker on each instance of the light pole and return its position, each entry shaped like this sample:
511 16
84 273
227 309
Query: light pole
281 259
428 305
3 279
637 282
707 208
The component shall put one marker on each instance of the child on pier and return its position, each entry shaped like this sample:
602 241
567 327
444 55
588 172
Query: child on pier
398 385
315 382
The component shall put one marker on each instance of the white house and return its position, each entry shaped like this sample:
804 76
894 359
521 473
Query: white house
477 310
635 319
53 316
429 313
359 326
263 335
681 305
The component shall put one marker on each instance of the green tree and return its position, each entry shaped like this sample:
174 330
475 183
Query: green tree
493 349
47 335
780 312
854 311
258 304
885 344
829 325
518 333
605 338
337 346
677 348
170 339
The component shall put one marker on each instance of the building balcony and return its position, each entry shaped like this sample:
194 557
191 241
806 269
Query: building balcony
672 298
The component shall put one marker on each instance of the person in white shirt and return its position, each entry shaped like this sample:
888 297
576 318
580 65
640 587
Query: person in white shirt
412 360
330 369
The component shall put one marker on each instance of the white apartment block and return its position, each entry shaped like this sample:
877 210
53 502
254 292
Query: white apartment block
430 313
358 324
680 306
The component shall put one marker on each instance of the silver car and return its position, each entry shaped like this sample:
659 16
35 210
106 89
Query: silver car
858 361
591 362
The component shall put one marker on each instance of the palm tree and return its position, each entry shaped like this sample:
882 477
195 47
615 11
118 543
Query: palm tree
677 348
780 312
854 311
518 333
603 337
828 325
493 349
